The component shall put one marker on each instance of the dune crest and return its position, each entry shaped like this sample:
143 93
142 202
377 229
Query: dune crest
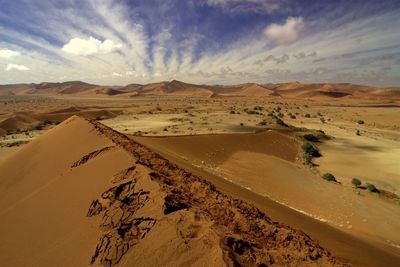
135 207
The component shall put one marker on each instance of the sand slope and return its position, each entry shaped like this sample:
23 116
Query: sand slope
83 194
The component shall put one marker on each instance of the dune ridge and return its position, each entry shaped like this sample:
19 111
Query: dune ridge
147 212
174 88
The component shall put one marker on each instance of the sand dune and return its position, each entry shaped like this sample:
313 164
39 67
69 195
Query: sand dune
264 164
27 120
322 91
110 200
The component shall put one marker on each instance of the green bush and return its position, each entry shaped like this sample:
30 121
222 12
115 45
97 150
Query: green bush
356 182
371 187
311 150
329 177
311 138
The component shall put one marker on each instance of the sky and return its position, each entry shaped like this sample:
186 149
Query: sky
118 42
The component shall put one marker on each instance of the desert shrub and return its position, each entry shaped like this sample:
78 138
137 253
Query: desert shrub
253 112
307 158
232 112
360 122
39 127
293 117
258 108
263 122
280 121
311 150
358 132
371 187
329 177
270 114
356 182
322 120
241 124
307 115
47 122
311 138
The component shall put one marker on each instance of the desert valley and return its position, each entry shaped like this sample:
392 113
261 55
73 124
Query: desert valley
251 174
254 133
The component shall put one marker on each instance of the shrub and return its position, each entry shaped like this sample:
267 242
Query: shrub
360 122
307 115
280 121
322 120
263 122
358 132
356 182
232 112
293 117
311 138
311 150
371 187
253 112
307 159
329 177
47 122
241 124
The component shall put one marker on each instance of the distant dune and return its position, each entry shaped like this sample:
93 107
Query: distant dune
321 91
109 200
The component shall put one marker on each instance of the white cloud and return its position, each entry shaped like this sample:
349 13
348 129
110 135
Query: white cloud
16 67
85 47
286 33
7 53
116 74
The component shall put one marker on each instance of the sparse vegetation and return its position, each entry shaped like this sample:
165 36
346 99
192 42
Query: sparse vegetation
329 177
311 150
311 138
358 132
360 122
356 182
371 188
307 115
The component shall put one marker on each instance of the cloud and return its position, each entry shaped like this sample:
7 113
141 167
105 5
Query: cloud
302 55
116 74
247 6
16 67
367 61
278 60
85 47
286 33
7 53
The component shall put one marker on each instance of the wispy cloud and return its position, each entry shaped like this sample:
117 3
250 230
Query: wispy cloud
11 67
121 42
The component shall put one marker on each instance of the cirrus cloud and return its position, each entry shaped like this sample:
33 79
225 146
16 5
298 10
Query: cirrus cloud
16 67
86 47
286 33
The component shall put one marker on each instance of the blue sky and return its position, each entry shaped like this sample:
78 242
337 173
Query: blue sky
118 42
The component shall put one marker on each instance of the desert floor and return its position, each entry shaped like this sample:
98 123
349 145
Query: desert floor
234 139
